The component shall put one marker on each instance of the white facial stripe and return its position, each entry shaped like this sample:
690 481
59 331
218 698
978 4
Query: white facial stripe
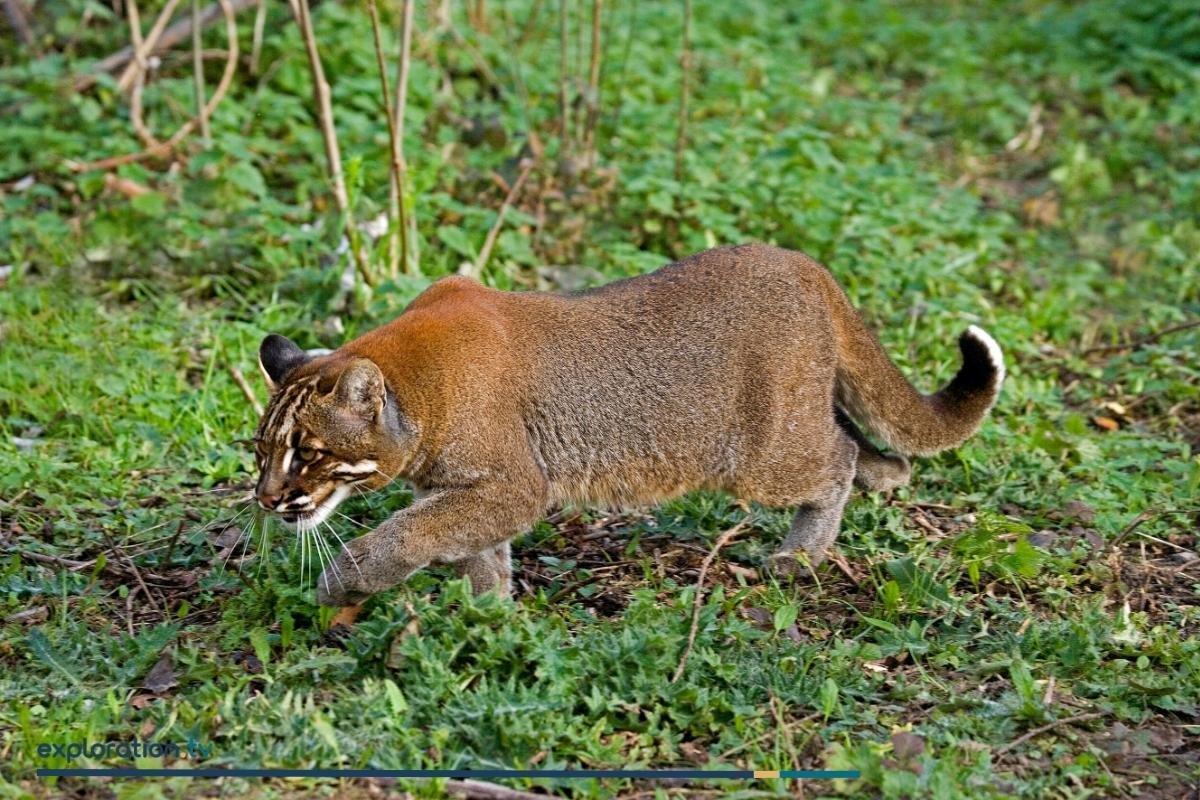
357 468
322 512
300 502
287 459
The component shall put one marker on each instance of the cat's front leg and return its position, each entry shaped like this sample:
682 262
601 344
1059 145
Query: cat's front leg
444 526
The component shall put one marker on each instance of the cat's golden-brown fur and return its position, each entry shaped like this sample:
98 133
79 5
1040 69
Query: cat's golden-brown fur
738 369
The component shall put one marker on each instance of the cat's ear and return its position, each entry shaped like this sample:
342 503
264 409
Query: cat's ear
360 388
277 356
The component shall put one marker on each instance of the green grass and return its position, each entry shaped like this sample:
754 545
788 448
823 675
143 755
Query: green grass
1033 168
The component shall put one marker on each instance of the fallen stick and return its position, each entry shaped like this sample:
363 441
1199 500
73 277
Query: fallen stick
163 148
490 242
481 790
1020 740
142 48
169 38
698 600
19 22
244 385
1144 340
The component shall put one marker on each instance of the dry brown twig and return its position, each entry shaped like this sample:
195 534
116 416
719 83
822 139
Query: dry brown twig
1143 341
489 243
685 64
134 78
398 222
564 104
162 148
17 19
1038 731
698 600
244 385
406 28
481 790
593 95
260 27
142 48
333 157
198 74
170 37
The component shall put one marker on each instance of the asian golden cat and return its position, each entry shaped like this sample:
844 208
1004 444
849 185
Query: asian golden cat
739 369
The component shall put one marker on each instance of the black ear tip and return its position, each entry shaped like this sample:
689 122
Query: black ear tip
275 345
279 355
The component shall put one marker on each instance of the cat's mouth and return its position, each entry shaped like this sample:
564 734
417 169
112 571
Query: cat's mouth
312 516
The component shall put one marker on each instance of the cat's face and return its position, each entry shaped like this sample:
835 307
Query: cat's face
322 435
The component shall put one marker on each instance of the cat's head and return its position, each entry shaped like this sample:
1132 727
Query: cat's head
327 431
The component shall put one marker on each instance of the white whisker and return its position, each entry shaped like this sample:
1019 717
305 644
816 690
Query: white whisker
352 520
303 553
337 571
353 560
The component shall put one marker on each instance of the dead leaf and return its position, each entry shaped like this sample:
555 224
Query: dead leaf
161 676
907 746
1080 511
130 189
737 570
1041 210
793 633
228 537
1128 259
694 753
759 616
140 701
1043 539
395 657
1117 408
30 616
1165 739
248 661
1106 423
345 616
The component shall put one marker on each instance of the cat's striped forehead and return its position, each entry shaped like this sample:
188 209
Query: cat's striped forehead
279 423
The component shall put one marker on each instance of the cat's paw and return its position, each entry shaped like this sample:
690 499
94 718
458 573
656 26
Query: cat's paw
333 589
791 567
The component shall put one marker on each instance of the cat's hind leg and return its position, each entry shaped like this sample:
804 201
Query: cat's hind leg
819 518
874 470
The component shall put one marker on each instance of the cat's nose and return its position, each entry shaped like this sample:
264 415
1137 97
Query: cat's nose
268 501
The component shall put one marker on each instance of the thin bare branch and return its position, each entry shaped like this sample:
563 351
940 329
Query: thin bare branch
260 26
198 75
386 94
400 236
564 103
698 600
323 101
593 90
143 48
481 790
490 242
170 37
244 385
685 64
15 11
163 148
1025 737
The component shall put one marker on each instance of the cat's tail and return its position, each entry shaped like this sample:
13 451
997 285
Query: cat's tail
874 392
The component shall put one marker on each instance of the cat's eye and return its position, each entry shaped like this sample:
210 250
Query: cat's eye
307 455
